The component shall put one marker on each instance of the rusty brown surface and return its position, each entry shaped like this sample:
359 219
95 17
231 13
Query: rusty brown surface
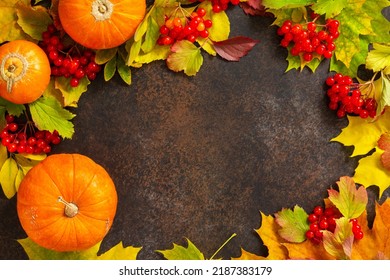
199 157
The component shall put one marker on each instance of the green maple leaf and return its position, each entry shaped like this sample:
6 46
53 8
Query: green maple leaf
33 20
330 8
354 22
350 201
380 23
179 252
293 224
185 57
48 114
118 252
379 57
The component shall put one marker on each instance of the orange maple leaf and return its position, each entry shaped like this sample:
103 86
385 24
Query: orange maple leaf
376 242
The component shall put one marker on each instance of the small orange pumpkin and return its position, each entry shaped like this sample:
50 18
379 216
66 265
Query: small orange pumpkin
67 202
24 71
101 24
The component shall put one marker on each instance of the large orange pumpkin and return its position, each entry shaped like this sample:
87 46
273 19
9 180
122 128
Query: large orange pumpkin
101 24
67 202
24 71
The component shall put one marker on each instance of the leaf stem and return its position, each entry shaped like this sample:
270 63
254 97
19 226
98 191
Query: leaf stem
223 245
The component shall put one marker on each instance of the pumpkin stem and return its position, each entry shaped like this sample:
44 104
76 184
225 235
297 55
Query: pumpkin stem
102 10
71 209
12 69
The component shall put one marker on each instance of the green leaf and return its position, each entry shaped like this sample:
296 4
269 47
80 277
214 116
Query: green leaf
11 108
185 56
142 28
379 57
293 224
135 49
105 55
278 4
27 161
350 201
48 114
71 94
8 173
33 20
110 69
118 252
124 70
179 252
353 23
330 8
385 94
157 53
379 23
151 36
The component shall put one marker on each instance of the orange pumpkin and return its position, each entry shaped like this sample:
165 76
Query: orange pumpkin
101 24
67 202
24 71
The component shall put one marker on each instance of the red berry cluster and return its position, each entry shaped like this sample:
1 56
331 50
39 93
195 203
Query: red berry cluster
321 219
68 61
356 229
175 29
310 39
325 219
345 97
18 140
220 5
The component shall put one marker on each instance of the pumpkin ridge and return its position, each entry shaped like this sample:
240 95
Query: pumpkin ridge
85 188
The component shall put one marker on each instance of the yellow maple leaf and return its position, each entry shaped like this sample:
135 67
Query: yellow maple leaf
268 232
307 250
376 241
363 134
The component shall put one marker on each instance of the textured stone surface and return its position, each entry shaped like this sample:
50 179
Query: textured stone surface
199 157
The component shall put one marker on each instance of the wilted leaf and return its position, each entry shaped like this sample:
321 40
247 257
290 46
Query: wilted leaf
234 48
350 201
33 20
185 57
71 94
179 252
293 224
36 252
48 114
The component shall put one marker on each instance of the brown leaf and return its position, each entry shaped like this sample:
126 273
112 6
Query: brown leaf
384 144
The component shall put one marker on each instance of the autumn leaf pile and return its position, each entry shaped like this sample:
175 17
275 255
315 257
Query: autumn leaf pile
364 40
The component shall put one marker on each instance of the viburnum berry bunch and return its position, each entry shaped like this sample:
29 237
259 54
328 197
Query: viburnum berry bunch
26 138
345 97
324 218
68 61
310 39
191 28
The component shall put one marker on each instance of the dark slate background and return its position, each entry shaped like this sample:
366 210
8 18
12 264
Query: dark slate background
200 157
